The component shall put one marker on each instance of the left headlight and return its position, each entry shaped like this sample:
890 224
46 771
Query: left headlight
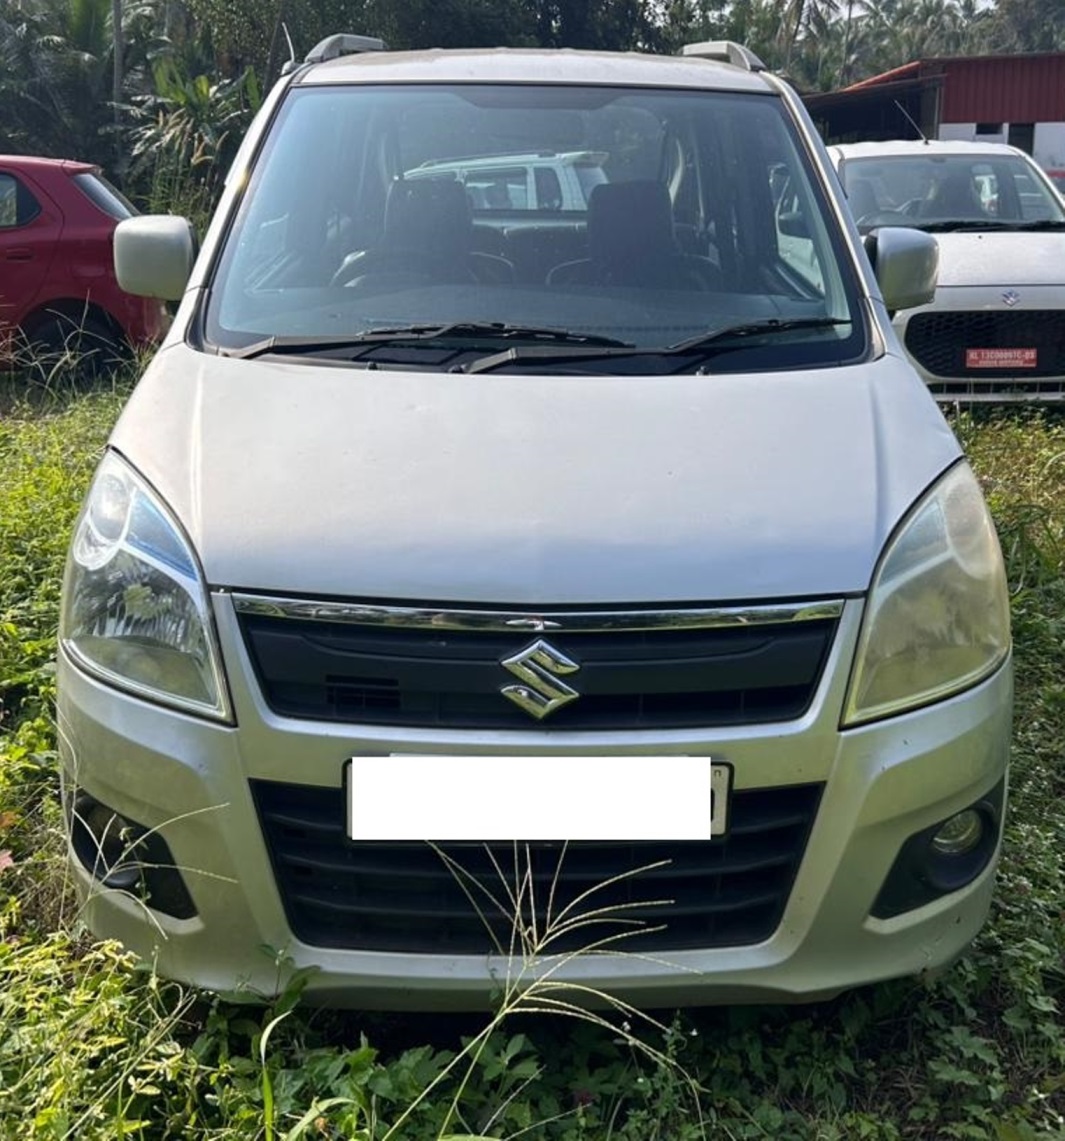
937 617
135 610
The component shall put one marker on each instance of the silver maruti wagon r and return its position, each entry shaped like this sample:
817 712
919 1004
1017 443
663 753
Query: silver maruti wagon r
467 586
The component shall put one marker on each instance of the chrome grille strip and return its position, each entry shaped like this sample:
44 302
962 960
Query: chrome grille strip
516 621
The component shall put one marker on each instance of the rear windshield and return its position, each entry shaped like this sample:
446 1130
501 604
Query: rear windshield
105 196
662 216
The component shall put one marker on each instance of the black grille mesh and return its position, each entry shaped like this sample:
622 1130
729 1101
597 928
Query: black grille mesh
661 678
403 897
938 341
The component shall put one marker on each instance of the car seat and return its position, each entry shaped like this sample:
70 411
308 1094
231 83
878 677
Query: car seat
954 197
631 243
427 233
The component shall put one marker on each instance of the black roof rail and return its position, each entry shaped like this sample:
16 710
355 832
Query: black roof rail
725 51
333 47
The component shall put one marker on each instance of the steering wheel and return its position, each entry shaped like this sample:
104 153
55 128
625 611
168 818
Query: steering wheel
405 263
406 267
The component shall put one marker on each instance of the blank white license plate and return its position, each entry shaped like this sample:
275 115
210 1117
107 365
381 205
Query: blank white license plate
446 797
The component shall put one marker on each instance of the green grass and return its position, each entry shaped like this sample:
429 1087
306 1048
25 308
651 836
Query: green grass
94 1046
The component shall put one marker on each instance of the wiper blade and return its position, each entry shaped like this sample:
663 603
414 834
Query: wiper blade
698 346
946 227
1034 227
767 327
478 330
500 331
549 355
297 346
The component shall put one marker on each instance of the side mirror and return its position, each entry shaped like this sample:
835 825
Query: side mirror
154 254
793 223
906 264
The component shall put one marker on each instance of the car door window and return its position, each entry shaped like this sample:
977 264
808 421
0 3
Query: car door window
500 189
548 189
794 242
17 204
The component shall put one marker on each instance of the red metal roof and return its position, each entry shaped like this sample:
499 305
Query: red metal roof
990 89
907 71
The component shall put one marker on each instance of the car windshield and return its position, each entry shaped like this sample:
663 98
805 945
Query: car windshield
937 190
645 217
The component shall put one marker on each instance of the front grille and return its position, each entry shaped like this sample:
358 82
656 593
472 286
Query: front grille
423 676
404 897
939 342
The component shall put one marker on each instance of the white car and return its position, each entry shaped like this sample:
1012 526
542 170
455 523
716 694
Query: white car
433 617
1057 179
994 330
545 181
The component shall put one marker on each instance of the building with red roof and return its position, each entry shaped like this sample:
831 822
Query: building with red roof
1017 99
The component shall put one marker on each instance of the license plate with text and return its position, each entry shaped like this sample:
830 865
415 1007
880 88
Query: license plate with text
1001 358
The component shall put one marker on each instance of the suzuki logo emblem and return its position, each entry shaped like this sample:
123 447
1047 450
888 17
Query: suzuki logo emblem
540 667
1011 297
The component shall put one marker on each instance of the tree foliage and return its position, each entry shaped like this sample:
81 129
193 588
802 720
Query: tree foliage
1029 25
186 134
196 65
54 74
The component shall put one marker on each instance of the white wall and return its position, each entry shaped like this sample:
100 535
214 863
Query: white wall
1048 149
1050 145
966 132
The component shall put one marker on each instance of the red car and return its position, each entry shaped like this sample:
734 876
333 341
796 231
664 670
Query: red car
57 282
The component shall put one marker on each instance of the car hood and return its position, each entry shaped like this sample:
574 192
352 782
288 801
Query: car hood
1001 259
304 478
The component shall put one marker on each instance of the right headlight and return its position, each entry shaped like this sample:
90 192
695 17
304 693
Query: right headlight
937 618
135 611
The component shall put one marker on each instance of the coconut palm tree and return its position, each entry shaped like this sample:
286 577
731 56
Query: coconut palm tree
63 70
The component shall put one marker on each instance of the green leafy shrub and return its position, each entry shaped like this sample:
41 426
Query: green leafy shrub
185 136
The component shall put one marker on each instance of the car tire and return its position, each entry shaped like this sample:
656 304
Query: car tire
83 350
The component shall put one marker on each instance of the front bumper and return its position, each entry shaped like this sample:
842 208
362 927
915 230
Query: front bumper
189 779
1021 324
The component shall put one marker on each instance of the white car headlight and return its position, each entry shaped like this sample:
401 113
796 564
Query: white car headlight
937 618
134 609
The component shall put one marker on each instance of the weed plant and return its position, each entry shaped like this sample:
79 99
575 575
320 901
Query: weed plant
95 1046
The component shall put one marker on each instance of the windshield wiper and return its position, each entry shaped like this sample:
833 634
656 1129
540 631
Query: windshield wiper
475 330
1034 226
993 224
951 227
702 345
767 327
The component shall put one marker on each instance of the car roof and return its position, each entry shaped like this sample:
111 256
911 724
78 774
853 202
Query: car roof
39 162
515 65
919 147
531 158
